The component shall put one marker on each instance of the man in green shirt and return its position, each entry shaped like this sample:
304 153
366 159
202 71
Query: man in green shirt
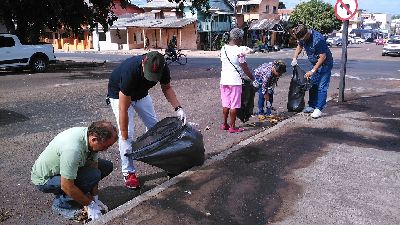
69 168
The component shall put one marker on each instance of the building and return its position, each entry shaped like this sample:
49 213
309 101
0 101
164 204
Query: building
163 19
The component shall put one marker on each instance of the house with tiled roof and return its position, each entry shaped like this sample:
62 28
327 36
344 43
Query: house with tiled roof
163 19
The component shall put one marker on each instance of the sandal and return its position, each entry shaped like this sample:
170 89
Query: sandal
225 127
235 130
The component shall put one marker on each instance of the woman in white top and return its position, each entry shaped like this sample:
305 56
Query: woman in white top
234 67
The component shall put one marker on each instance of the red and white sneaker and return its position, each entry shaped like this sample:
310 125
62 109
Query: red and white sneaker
131 181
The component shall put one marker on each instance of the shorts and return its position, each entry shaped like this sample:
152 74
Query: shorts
231 96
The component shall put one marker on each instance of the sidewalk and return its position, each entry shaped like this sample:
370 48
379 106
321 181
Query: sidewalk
340 169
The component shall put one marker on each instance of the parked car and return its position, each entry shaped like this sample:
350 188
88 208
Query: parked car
379 41
13 54
335 41
358 40
392 47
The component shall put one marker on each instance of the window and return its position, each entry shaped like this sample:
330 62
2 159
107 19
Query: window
267 9
6 42
274 10
102 36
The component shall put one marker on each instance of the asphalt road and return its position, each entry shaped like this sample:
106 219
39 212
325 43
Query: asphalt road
35 107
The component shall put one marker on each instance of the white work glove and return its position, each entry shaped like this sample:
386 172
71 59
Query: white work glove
181 115
256 84
93 210
294 62
101 204
268 104
126 146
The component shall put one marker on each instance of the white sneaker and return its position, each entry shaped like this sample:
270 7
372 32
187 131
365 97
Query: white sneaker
308 109
316 114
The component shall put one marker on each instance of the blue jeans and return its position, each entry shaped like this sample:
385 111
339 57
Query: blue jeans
319 90
87 178
261 100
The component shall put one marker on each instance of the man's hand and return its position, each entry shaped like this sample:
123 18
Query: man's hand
294 62
99 203
309 74
94 211
181 115
126 146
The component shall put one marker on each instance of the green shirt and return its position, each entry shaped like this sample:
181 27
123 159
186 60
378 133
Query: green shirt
64 155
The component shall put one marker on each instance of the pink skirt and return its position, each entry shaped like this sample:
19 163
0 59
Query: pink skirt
231 96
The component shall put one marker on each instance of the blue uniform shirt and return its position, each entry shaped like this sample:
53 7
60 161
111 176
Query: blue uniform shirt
315 46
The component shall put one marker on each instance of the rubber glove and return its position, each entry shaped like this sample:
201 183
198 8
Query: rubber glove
94 210
268 104
181 115
256 84
99 203
126 146
294 62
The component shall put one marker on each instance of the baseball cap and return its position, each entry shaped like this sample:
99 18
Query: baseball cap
300 31
154 63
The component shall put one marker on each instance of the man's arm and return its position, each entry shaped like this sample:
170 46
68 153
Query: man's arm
317 65
70 189
124 103
95 189
170 95
297 51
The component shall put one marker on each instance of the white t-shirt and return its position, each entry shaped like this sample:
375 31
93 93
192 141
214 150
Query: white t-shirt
229 75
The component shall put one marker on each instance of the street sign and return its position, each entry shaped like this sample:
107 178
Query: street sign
345 9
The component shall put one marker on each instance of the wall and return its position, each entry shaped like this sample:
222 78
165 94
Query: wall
268 15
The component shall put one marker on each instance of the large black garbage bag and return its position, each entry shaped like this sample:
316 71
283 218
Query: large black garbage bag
298 86
170 146
247 98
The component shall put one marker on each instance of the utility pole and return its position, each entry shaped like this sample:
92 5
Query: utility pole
345 35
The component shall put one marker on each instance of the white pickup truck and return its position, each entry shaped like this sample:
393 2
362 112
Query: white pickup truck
13 54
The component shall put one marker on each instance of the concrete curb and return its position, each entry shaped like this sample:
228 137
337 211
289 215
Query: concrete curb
122 209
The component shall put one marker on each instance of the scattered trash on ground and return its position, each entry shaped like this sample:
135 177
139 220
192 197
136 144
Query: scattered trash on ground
4 214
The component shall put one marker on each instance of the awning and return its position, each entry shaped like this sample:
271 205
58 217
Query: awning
251 2
265 24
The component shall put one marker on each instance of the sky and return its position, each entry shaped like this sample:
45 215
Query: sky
382 6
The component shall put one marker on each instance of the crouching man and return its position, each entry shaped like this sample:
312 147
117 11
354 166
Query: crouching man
69 168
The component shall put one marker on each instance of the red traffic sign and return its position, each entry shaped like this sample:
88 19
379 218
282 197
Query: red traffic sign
345 9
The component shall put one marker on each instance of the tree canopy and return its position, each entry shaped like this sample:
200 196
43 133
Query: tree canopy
317 15
28 19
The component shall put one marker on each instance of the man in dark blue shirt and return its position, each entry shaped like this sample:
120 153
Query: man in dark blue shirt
128 88
322 62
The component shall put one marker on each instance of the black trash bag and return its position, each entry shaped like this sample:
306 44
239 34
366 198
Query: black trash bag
297 89
247 98
170 146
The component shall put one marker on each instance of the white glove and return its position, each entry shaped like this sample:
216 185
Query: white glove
99 203
126 146
256 84
181 115
94 210
268 104
294 62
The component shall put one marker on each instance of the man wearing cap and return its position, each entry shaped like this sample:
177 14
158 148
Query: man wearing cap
321 59
128 88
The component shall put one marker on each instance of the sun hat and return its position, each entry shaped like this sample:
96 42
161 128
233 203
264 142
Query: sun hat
154 63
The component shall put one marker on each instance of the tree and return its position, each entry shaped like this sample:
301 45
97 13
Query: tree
317 15
28 19
281 5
